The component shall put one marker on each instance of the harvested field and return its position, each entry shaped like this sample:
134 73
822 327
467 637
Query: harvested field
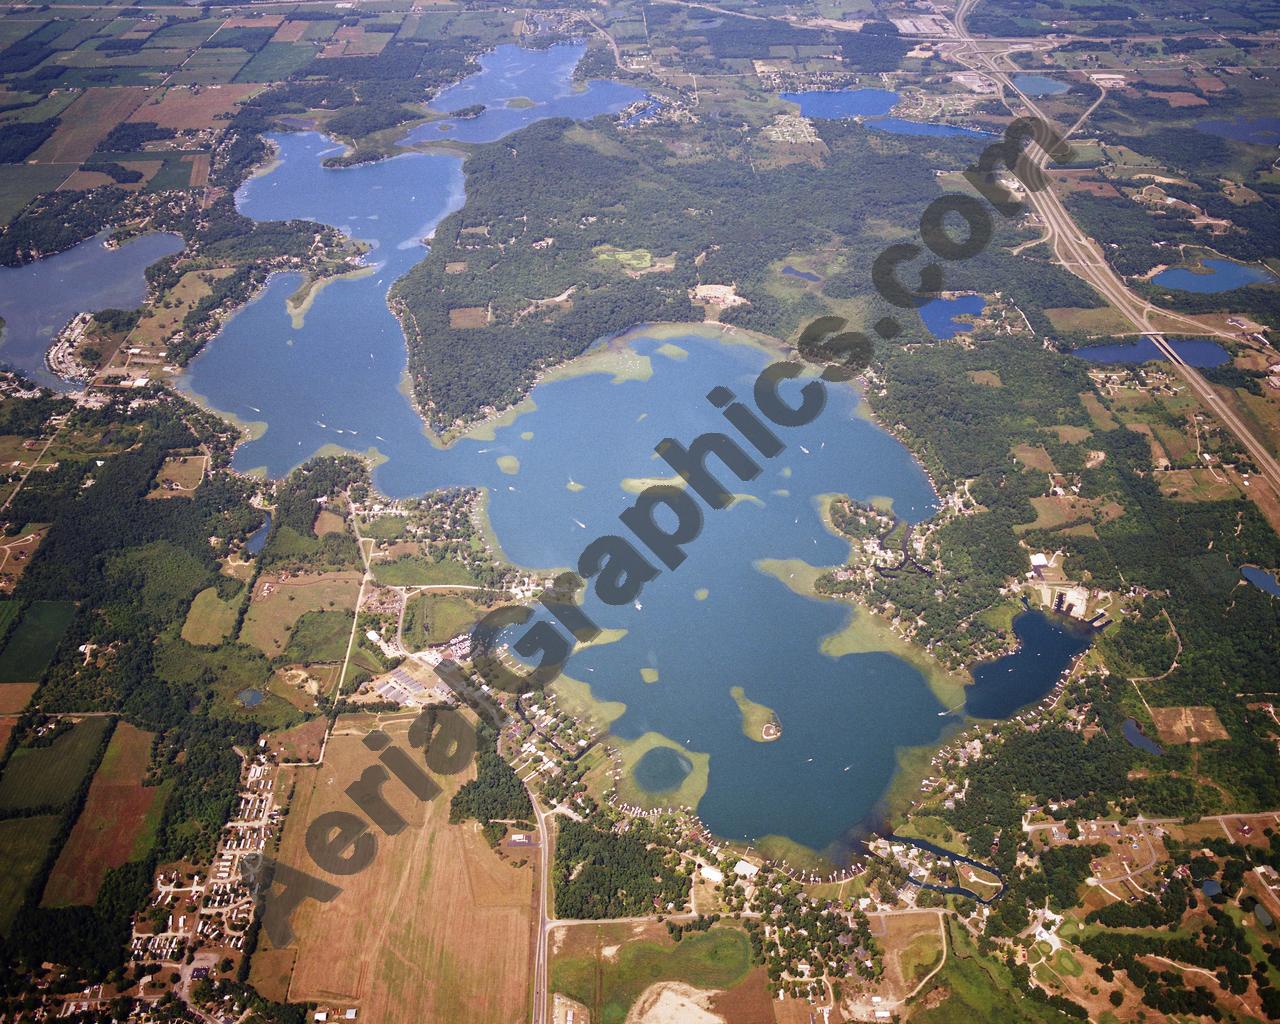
118 823
416 936
179 476
279 603
328 522
301 743
87 121
1068 434
1084 181
6 729
289 32
1188 725
48 777
270 971
468 317
14 697
193 107
1034 457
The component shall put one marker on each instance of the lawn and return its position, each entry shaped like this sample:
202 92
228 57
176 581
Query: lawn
33 642
49 777
609 985
210 619
118 823
24 843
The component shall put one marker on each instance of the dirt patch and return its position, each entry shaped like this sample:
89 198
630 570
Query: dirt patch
301 743
673 1002
457 267
748 1002
467 317
1188 725
1085 181
989 378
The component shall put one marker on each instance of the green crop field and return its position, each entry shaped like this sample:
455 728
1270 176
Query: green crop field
37 777
33 641
24 843
437 618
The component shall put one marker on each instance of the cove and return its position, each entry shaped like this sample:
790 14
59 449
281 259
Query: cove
718 621
1263 580
939 315
1194 352
38 299
1046 646
541 81
1217 276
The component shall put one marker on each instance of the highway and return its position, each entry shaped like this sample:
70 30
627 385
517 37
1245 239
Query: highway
1084 258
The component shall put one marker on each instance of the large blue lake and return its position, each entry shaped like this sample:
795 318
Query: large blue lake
940 315
873 105
37 300
716 622
1216 276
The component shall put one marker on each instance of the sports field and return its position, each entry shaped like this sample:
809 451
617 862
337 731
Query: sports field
48 777
437 928
118 823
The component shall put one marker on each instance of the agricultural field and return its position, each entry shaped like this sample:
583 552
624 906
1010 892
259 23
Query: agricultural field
320 637
24 844
48 777
86 123
210 619
610 968
192 109
33 641
278 604
416 571
415 936
118 823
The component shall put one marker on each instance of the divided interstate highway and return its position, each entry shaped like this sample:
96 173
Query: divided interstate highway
1084 258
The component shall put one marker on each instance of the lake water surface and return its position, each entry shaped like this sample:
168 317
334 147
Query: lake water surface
1222 276
939 315
37 300
1195 352
1041 85
719 620
873 105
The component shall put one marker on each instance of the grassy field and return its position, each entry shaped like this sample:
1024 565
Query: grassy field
24 842
319 637
33 641
210 619
118 823
415 571
436 618
179 476
278 605
49 776
607 967
235 669
436 928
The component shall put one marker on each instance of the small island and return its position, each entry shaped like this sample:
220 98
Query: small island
759 723
466 113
